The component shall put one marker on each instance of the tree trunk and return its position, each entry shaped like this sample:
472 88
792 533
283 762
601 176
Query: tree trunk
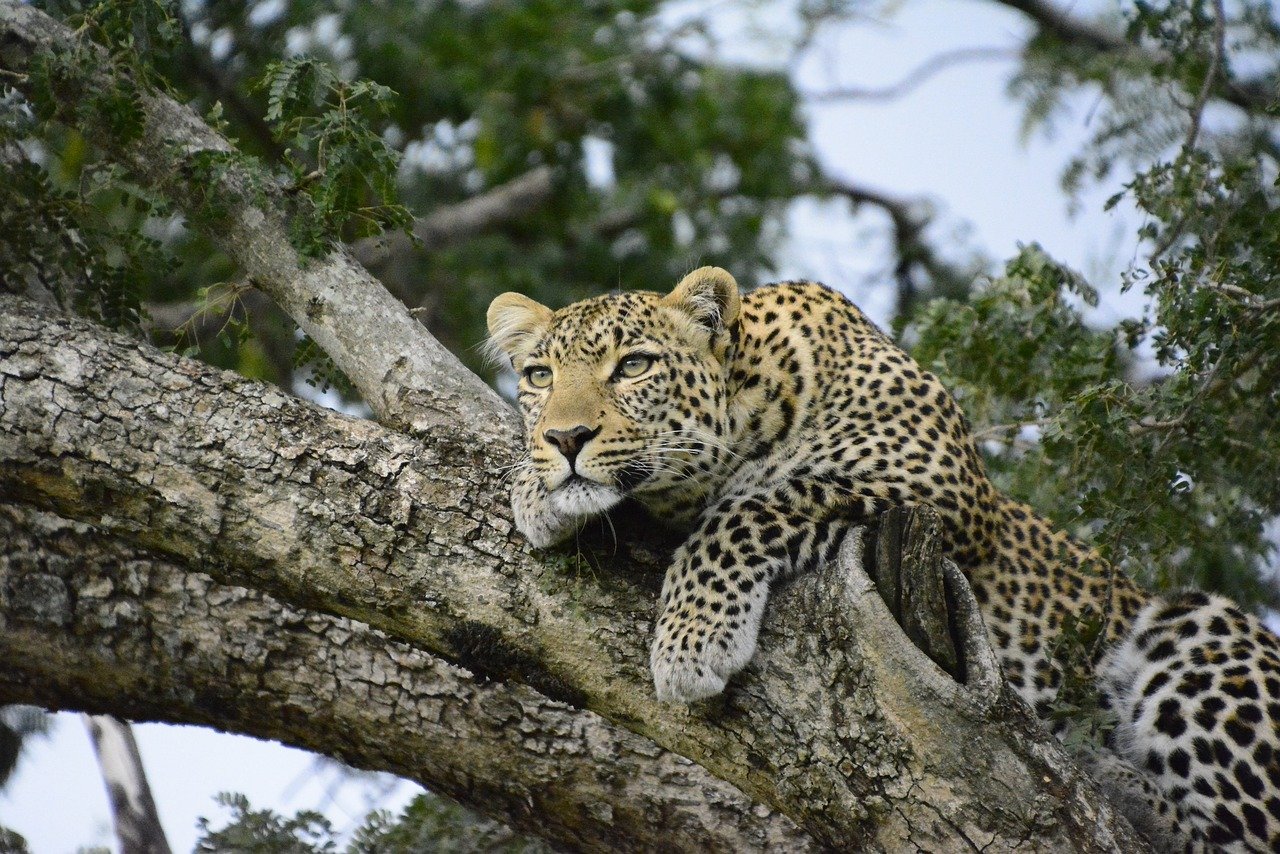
190 546
137 823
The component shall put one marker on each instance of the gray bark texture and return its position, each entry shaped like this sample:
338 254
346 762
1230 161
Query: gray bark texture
186 545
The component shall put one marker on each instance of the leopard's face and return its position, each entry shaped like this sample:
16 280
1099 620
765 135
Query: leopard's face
622 395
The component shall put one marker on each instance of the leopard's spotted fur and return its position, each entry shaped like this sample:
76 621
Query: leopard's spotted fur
768 424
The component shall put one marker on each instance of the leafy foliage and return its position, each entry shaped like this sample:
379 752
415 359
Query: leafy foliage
12 842
319 370
78 245
431 823
74 229
1078 705
428 823
661 161
265 831
79 230
1160 437
347 171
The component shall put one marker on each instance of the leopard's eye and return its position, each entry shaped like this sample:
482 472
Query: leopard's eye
538 376
634 365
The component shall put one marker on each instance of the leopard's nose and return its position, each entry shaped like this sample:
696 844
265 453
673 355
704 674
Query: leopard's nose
571 441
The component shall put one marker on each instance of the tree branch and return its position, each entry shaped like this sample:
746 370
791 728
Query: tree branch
204 68
840 723
198 321
1211 75
453 223
915 78
909 220
89 622
1252 96
133 808
368 333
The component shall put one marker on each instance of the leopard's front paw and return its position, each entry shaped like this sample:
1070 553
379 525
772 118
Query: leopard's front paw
680 678
694 660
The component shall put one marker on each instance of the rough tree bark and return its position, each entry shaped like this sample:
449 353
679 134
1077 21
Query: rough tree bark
842 724
186 545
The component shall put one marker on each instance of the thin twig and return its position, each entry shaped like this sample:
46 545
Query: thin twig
1197 115
909 224
1210 76
449 224
916 77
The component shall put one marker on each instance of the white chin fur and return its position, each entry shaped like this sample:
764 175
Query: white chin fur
583 498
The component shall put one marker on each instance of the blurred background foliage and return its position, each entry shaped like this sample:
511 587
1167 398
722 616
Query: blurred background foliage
562 149
637 161
427 823
1157 439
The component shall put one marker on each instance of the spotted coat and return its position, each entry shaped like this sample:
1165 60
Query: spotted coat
767 425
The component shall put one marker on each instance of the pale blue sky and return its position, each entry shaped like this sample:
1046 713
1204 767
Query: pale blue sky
954 141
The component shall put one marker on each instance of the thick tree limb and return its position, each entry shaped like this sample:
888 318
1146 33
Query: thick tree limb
366 331
91 623
840 723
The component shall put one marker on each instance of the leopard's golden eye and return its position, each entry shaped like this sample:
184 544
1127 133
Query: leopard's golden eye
538 376
634 365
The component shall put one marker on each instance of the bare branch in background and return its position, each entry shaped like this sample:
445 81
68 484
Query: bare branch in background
915 78
451 224
1252 96
134 810
909 219
1211 74
205 70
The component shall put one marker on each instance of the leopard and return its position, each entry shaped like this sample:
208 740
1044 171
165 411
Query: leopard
765 426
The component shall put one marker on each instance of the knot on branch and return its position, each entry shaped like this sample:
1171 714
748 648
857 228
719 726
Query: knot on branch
892 581
904 559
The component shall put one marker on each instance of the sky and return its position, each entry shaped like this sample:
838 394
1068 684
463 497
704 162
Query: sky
57 801
954 142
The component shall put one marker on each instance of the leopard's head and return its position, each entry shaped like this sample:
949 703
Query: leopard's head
623 394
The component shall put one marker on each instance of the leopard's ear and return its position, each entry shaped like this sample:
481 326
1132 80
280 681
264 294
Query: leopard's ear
710 296
515 325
